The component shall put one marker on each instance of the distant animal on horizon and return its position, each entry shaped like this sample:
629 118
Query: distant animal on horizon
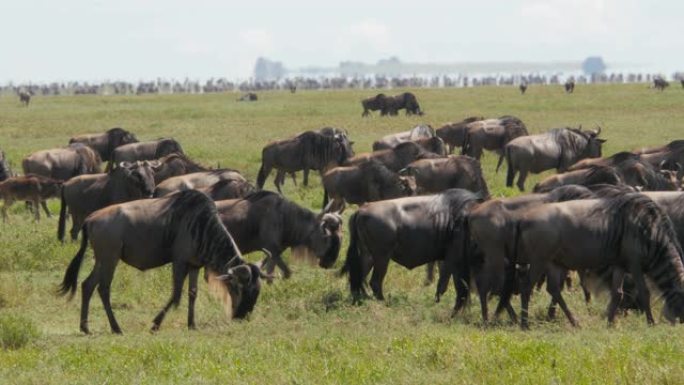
25 97
390 105
660 84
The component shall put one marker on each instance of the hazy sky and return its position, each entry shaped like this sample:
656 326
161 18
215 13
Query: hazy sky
45 40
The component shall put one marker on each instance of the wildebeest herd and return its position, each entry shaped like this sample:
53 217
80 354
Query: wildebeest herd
608 219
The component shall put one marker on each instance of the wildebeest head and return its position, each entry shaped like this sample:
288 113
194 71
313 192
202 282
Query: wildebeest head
168 146
118 137
138 176
343 147
325 241
594 143
243 284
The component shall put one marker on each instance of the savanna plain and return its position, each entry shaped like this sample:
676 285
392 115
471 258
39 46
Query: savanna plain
305 330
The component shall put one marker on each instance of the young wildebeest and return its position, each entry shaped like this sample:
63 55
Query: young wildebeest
453 134
422 131
488 229
85 194
182 229
267 221
105 143
395 158
174 165
436 175
492 135
628 233
558 148
197 180
411 231
368 182
144 151
32 188
307 151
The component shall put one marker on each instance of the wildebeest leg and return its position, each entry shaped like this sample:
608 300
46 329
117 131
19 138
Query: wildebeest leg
521 180
76 223
379 270
36 210
6 205
506 294
553 287
643 294
87 289
105 275
278 258
45 208
180 271
429 273
526 286
616 294
461 277
305 177
293 175
192 296
583 284
483 292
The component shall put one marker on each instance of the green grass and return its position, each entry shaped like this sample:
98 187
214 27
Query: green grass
305 330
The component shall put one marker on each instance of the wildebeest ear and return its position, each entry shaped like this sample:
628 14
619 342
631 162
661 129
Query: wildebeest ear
601 140
125 164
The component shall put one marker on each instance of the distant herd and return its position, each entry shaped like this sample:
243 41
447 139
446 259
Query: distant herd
615 220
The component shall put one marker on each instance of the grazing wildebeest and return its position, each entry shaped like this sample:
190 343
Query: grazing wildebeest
569 86
105 143
174 165
492 135
436 175
367 182
85 194
523 88
307 151
182 229
395 158
31 188
374 103
488 228
453 134
627 233
390 105
559 148
392 140
411 231
197 180
660 84
583 177
144 151
25 97
267 221
248 97
228 189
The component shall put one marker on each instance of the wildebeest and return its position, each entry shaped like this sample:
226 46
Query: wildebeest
492 135
25 97
248 97
105 143
411 231
488 228
628 233
395 158
267 221
367 182
85 194
144 151
390 105
660 84
32 188
559 148
453 134
583 177
182 229
523 88
392 140
174 165
307 151
436 175
197 180
228 189
62 163
569 86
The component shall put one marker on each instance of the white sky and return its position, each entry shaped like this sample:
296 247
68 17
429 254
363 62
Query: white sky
45 40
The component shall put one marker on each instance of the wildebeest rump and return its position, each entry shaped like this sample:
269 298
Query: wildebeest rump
62 163
182 229
266 220
559 148
411 231
367 182
144 151
307 151
31 188
85 194
628 233
197 180
492 135
436 175
453 134
105 143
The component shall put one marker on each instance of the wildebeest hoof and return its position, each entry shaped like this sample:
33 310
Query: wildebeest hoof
155 328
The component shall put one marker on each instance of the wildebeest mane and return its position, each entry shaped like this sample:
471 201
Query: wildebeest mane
194 212
569 192
448 210
318 150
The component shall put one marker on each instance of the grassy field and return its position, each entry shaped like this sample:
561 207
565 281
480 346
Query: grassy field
305 330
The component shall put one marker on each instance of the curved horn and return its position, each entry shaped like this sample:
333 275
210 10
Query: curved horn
598 131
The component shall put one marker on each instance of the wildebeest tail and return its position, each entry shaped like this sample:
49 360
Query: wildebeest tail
261 177
325 197
62 217
510 173
70 281
353 265
501 158
466 143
